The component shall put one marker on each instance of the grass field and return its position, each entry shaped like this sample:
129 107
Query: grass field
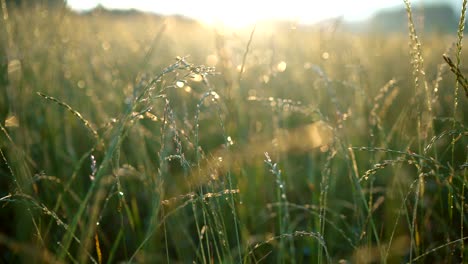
143 139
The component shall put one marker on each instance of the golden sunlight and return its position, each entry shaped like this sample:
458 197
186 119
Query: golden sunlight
242 13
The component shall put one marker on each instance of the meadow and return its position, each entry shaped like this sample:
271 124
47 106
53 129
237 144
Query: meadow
134 138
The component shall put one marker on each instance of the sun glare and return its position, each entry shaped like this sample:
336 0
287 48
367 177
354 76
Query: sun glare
242 13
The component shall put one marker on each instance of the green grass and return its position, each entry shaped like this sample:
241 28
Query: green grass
141 139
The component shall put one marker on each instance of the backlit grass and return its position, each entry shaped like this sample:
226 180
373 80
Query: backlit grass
134 138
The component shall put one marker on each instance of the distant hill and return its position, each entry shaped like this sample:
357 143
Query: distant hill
100 10
439 18
48 3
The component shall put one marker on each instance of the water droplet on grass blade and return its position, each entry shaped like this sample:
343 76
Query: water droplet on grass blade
230 141
180 84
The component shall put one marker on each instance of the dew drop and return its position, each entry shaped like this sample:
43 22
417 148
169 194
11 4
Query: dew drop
180 84
229 139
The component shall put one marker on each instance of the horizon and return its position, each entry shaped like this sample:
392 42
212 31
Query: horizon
243 13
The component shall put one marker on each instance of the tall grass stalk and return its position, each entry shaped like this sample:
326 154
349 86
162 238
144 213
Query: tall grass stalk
418 74
369 220
283 210
324 186
461 28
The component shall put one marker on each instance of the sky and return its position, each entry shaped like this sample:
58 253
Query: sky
240 13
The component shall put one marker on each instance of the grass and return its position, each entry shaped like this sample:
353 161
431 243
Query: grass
140 139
